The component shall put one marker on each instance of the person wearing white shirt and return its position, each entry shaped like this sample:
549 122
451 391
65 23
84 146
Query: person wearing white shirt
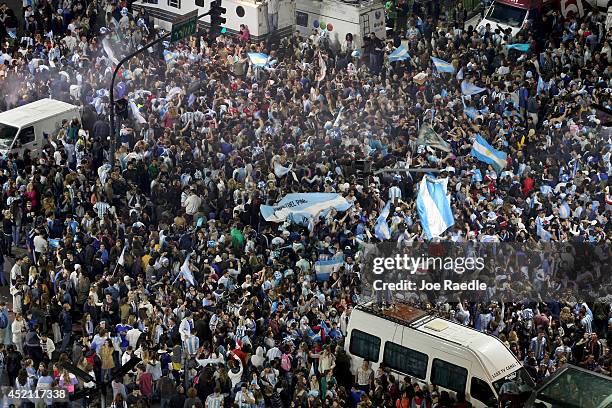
244 398
19 328
273 353
186 326
192 203
47 345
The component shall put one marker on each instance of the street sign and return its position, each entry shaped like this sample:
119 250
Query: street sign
184 26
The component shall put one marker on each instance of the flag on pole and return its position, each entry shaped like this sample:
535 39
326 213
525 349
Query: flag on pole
428 137
381 228
484 152
399 54
518 47
259 59
322 67
468 88
433 206
460 75
121 260
443 66
109 51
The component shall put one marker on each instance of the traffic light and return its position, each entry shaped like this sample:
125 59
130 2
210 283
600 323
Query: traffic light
216 17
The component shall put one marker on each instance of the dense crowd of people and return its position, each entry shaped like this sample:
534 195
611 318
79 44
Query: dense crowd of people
164 254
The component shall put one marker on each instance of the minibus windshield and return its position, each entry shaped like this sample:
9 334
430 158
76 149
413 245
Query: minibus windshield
505 14
7 135
518 382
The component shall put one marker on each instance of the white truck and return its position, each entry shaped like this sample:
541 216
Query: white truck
29 126
339 18
432 350
514 14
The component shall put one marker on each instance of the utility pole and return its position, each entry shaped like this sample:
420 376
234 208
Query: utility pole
113 132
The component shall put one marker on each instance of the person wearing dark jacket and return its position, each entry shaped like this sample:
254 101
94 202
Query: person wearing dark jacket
65 322
178 399
13 363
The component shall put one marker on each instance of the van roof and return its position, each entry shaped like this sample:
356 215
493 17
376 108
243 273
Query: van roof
40 109
492 353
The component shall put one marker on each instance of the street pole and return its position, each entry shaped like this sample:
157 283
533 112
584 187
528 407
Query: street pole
113 132
111 92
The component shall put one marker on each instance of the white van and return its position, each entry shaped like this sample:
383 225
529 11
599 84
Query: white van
29 126
429 349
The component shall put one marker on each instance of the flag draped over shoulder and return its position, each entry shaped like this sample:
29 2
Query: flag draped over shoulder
433 206
428 137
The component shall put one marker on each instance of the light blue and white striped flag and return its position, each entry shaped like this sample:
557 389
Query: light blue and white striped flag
544 235
381 228
169 56
323 269
259 59
518 47
433 205
399 54
443 66
468 88
186 272
542 86
460 74
484 152
564 211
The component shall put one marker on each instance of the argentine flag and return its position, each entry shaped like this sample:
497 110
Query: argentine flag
564 211
443 66
323 269
468 88
433 205
259 59
381 228
518 47
484 152
186 272
400 54
169 56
